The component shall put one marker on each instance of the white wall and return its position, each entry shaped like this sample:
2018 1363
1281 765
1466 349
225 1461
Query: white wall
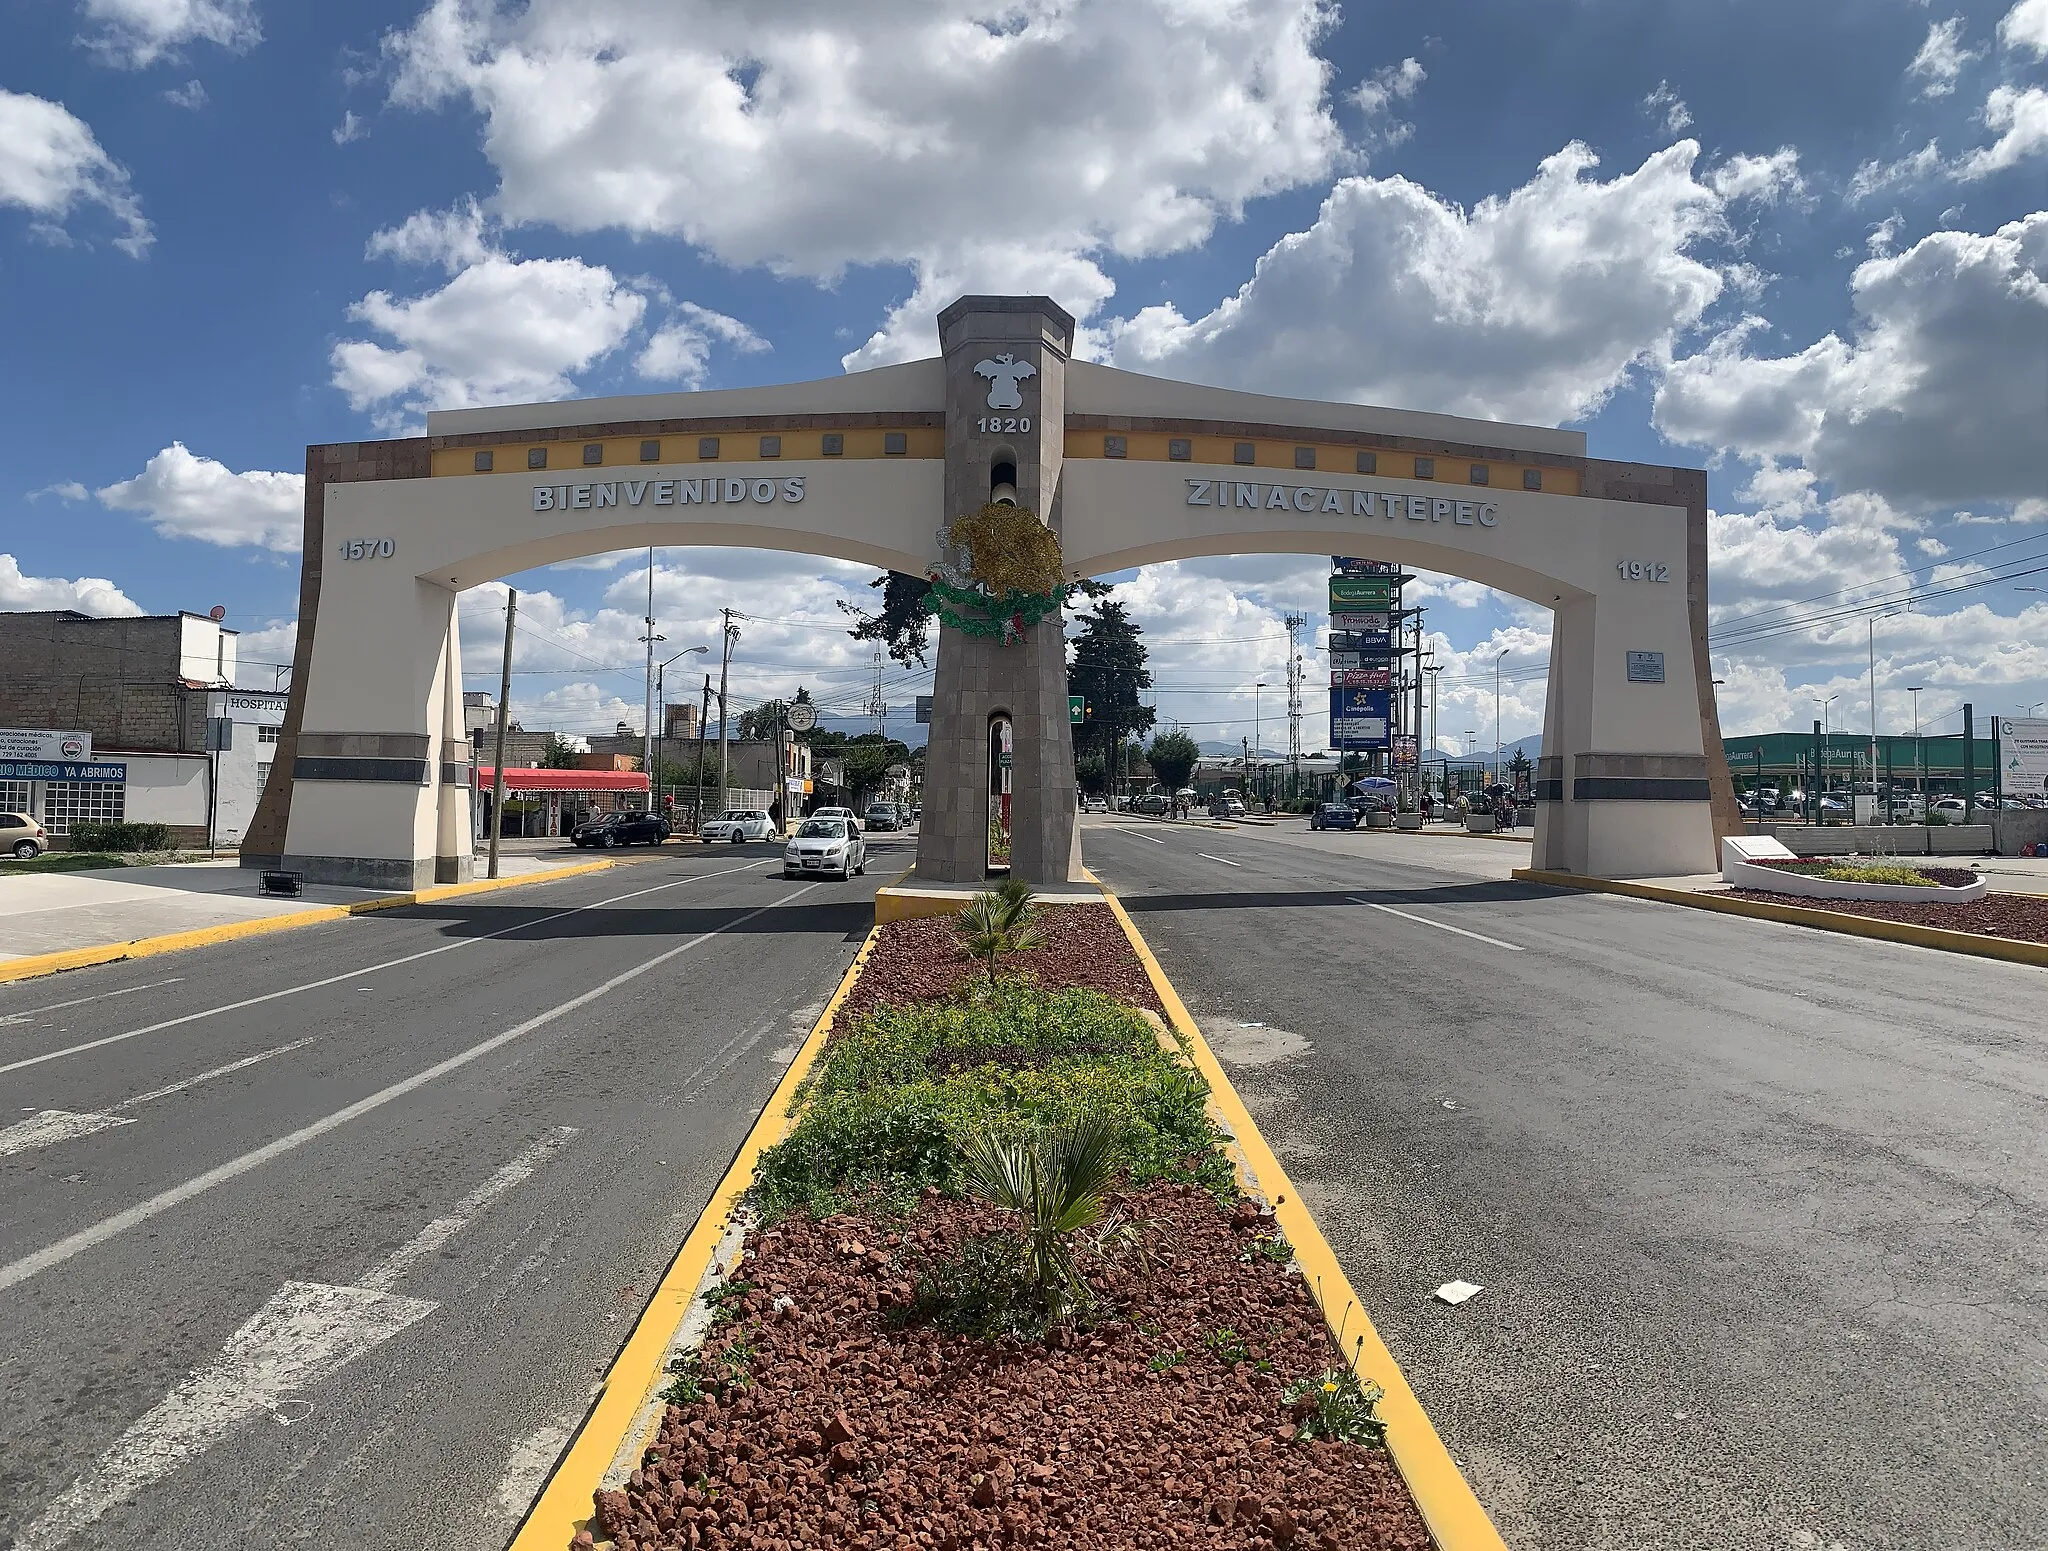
166 788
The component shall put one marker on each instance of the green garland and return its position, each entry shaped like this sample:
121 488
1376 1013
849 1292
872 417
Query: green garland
977 613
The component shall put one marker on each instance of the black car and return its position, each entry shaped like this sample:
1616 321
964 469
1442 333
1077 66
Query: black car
1333 815
622 829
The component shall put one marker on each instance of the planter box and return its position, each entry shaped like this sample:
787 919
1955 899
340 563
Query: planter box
1407 821
1478 823
1739 870
1524 817
1379 820
1959 839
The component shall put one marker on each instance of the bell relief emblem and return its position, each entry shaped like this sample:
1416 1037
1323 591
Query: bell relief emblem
1004 372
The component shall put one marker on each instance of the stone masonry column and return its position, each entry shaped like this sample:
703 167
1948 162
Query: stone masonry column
1006 359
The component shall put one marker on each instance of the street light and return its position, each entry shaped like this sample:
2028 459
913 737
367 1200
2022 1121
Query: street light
1919 770
1820 783
661 705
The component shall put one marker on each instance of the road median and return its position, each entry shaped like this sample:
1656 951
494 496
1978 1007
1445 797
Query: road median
1977 944
32 966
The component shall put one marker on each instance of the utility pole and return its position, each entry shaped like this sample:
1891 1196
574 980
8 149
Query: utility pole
504 708
647 699
1919 762
878 707
1435 703
703 731
1295 624
732 635
1496 715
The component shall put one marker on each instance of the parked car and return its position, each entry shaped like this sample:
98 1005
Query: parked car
621 829
1950 808
882 817
1151 802
828 845
1833 808
1333 815
838 813
22 836
740 824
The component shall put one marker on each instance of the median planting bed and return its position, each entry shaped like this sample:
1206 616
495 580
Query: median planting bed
999 1286
2020 917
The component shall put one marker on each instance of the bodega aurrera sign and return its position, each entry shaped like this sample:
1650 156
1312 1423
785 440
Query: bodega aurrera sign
1342 501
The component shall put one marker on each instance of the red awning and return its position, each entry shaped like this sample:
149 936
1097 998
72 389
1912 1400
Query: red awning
524 780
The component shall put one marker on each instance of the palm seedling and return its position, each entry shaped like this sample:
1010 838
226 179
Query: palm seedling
996 922
1059 1184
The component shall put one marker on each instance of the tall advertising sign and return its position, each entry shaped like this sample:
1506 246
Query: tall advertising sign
2023 756
1358 718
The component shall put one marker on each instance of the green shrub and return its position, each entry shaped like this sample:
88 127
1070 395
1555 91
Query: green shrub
901 1091
89 836
1337 1408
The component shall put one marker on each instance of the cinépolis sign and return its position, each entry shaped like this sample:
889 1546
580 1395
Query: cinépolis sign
1342 502
716 490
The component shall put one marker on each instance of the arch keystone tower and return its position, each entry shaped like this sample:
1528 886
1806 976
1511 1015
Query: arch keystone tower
372 780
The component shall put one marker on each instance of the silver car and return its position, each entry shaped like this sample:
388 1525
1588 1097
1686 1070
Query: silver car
831 846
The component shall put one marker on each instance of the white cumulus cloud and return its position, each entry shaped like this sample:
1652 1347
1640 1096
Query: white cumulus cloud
680 350
1937 395
2024 29
135 33
999 151
1668 109
50 164
93 595
185 496
2019 115
1529 307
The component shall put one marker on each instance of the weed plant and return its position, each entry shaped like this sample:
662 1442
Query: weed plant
1336 1407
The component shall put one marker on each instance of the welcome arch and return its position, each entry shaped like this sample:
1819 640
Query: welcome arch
371 783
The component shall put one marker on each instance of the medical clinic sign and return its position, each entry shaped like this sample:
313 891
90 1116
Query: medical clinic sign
43 743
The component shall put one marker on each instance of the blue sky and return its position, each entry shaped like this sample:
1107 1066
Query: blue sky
1803 246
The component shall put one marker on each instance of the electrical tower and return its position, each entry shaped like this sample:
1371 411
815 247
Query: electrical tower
877 707
1296 623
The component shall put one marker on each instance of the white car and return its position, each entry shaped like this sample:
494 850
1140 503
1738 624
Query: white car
846 815
825 845
1950 808
740 824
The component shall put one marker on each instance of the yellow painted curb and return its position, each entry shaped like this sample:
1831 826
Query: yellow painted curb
33 965
2009 949
893 902
565 1503
1456 1520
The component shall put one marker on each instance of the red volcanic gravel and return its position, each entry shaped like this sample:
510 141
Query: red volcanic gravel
855 1435
1080 945
2020 916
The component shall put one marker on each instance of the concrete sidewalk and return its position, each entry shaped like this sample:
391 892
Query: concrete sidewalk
2009 874
60 912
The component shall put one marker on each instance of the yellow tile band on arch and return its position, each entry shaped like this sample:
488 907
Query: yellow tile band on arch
565 454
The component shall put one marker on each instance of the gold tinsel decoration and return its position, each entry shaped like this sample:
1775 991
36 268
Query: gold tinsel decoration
1010 550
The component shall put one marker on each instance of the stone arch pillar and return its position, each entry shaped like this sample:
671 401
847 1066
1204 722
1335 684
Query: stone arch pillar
977 676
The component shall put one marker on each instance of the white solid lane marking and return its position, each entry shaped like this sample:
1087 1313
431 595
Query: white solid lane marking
304 1333
355 974
36 1012
86 1238
385 1274
1439 925
219 1071
46 1126
1226 861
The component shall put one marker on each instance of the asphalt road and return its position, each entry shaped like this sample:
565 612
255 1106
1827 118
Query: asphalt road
325 1238
1757 1210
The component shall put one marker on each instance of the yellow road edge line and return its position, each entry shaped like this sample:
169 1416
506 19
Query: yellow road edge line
565 1505
31 966
1455 1519
2009 949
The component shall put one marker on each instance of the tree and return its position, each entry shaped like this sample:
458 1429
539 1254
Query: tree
1092 773
763 723
558 754
1518 771
1173 756
1108 669
866 758
902 626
